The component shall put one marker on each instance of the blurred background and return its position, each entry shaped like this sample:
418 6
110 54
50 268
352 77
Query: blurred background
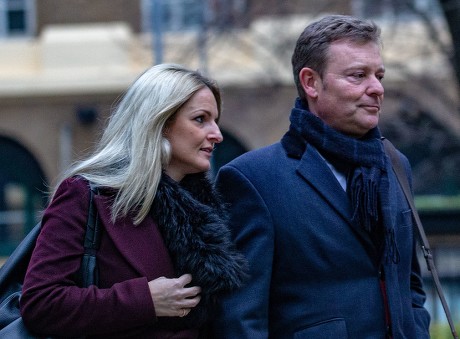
64 63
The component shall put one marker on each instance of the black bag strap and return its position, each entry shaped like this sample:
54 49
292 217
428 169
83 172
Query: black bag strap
12 273
15 267
402 178
89 273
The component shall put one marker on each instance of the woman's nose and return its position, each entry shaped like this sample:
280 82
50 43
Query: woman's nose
215 134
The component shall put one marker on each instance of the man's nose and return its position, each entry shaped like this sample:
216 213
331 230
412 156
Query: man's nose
375 87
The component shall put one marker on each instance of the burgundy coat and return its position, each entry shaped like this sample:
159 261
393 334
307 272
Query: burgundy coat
129 257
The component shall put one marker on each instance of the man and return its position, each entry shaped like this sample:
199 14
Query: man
329 257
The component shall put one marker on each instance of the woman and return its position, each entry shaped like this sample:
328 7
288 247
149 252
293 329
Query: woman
165 253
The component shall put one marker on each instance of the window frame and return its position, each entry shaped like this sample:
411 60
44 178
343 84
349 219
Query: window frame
178 13
30 14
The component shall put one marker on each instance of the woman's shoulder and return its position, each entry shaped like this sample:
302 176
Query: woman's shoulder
72 188
75 183
68 206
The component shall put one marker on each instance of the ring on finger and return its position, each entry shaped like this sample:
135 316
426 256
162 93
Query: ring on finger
184 313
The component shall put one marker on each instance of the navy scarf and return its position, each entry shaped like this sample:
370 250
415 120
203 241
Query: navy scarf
368 185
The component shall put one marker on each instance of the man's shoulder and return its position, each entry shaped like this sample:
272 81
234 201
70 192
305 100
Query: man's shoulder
264 155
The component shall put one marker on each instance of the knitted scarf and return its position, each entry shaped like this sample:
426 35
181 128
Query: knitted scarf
369 185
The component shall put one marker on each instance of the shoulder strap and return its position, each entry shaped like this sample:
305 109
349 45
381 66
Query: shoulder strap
89 273
403 182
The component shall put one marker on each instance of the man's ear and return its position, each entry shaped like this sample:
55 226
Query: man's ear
310 82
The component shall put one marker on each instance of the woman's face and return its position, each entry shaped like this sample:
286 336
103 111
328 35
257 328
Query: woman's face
192 133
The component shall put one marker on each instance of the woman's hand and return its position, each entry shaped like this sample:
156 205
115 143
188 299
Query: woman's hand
171 298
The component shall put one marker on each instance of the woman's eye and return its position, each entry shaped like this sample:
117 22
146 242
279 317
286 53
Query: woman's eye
199 119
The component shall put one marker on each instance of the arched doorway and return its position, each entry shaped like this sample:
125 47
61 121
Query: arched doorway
23 190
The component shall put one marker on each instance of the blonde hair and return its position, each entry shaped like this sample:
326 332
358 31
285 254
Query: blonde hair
132 151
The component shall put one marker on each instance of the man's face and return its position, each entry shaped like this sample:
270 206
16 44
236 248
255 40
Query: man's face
350 94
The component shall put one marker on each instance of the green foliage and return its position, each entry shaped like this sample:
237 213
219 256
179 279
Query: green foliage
437 202
441 331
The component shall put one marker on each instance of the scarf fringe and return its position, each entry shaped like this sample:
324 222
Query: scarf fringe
364 198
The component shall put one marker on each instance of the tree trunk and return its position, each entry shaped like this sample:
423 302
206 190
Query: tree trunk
451 9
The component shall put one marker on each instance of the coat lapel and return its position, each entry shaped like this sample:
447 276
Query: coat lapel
133 242
316 172
314 169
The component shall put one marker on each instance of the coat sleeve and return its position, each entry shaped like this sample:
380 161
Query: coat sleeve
51 302
421 315
244 313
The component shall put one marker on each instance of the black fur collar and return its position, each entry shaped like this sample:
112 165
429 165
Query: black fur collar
192 220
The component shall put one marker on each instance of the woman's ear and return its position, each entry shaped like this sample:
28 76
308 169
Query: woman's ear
309 80
166 128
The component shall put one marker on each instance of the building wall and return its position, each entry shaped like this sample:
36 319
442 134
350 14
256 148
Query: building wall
38 123
257 116
52 12
41 123
60 70
283 7
70 65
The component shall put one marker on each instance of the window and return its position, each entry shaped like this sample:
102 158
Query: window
391 8
175 15
17 18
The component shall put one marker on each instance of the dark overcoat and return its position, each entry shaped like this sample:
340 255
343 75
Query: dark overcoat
314 274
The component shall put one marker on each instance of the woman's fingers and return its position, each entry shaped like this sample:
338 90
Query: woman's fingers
171 297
